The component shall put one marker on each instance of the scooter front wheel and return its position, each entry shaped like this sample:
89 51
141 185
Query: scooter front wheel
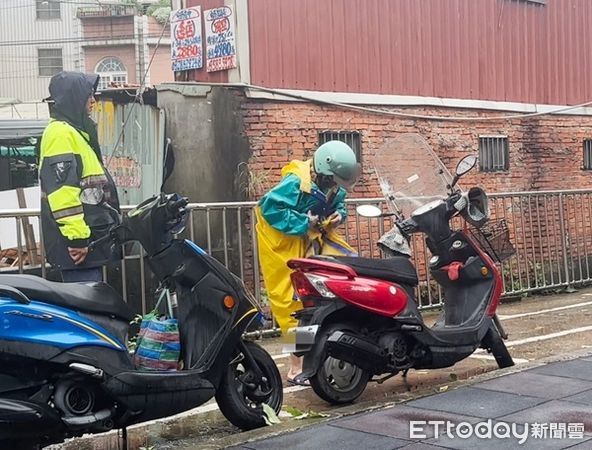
243 389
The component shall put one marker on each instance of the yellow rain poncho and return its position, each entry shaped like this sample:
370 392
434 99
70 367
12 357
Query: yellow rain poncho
283 234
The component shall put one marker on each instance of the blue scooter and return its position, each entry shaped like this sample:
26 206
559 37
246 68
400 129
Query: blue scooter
65 369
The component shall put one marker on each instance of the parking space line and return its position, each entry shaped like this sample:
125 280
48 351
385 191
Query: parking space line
492 358
545 337
542 311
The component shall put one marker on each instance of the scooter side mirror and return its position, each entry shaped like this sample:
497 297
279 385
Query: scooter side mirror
465 165
92 196
369 211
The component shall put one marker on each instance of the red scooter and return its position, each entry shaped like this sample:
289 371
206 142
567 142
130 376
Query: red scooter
360 320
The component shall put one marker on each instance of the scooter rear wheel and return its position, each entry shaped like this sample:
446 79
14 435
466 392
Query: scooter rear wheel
240 397
339 382
336 381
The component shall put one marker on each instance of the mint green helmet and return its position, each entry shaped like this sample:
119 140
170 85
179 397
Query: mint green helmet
338 160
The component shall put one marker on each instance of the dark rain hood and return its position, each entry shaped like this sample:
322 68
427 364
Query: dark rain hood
69 93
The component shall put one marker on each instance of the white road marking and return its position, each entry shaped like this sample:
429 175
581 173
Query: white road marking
492 358
291 389
547 336
542 311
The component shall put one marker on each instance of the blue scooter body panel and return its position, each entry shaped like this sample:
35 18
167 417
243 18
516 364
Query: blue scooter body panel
44 324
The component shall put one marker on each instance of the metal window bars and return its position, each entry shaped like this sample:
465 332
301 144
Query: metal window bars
493 153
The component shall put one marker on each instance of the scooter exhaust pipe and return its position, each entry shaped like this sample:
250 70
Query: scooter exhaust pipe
85 421
357 350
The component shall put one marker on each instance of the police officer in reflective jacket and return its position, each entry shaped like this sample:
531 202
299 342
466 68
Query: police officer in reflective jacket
78 197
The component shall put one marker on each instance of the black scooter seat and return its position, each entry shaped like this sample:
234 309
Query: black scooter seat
397 269
97 298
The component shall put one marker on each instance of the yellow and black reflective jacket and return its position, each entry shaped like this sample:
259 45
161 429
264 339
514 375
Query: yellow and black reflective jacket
70 162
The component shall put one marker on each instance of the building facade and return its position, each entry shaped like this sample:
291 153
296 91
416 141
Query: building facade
37 39
467 75
503 79
119 43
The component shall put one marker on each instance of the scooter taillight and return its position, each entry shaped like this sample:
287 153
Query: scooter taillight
308 285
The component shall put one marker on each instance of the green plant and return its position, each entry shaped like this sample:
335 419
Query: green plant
161 14
264 297
299 415
132 342
271 417
252 184
536 274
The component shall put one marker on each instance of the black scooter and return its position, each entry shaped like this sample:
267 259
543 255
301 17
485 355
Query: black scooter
64 365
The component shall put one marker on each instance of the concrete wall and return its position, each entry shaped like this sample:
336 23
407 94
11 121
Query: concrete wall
206 128
205 125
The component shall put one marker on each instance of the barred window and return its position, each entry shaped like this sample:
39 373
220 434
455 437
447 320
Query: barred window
50 61
351 138
494 155
587 154
48 9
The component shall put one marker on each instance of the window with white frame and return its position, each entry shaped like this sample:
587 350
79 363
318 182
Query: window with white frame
50 61
48 9
111 70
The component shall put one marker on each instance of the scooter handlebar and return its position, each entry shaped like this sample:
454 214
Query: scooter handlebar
94 244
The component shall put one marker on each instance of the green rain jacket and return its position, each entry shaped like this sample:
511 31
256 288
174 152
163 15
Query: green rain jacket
285 207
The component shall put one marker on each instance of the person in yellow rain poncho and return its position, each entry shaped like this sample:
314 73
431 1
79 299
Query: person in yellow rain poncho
297 218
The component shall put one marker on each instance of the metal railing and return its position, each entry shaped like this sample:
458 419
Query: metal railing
551 230
106 10
24 110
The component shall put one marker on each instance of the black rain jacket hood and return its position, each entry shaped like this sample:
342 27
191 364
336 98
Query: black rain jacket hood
69 93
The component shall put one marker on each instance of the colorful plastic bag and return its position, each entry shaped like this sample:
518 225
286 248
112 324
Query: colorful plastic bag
158 342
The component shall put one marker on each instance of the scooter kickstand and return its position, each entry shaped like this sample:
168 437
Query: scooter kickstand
383 379
407 385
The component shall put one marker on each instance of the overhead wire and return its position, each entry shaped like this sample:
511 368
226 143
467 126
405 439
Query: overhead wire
308 98
65 2
72 40
139 93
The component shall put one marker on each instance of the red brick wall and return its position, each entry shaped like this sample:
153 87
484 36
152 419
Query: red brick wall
109 27
545 153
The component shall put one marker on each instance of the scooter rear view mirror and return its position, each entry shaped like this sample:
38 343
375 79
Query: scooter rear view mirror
369 211
465 165
92 196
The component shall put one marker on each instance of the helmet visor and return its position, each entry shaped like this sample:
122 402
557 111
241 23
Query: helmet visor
347 176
